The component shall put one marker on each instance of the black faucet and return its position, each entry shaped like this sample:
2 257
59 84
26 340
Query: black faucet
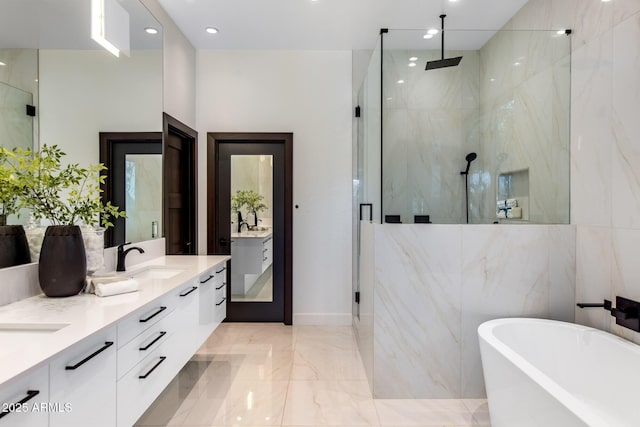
122 254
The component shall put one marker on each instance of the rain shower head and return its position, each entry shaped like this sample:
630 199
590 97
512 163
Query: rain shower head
469 158
443 63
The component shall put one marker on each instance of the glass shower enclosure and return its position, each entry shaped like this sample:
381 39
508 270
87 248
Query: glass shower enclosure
502 115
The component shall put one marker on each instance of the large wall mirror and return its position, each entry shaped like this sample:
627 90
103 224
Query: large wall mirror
79 89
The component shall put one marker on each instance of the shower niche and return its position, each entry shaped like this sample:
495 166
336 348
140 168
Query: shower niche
512 200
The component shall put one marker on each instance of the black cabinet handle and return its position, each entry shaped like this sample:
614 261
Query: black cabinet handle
160 310
264 250
148 346
264 259
209 278
223 269
266 240
221 286
30 395
107 344
162 359
189 291
223 300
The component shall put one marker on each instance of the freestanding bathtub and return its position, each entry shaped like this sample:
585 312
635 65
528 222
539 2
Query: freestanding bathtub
547 373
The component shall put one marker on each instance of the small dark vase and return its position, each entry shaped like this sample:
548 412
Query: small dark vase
14 249
63 262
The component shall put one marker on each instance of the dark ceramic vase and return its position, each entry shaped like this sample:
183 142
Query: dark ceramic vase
63 263
14 249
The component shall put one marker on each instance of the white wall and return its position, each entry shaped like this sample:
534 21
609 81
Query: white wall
605 159
84 92
179 68
307 93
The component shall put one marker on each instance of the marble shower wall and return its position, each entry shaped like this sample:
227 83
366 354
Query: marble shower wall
524 109
430 123
432 286
605 145
509 102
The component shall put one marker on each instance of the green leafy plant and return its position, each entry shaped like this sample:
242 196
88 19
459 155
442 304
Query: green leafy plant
65 195
10 185
248 198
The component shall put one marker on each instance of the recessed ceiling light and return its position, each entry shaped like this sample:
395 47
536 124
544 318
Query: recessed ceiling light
151 30
212 30
453 1
412 64
432 31
2 64
413 58
389 98
606 1
400 82
492 80
516 64
427 36
561 31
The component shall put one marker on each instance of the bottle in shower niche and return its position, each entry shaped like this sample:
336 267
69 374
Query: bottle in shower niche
154 229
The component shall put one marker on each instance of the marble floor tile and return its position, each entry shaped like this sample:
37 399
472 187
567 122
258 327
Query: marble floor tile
423 412
246 403
311 363
330 403
265 374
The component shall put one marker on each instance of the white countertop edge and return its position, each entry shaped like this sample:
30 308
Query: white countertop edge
88 314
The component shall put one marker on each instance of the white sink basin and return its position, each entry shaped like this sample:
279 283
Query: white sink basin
156 273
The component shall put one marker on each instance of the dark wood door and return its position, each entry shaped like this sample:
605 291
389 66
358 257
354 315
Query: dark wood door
180 193
221 148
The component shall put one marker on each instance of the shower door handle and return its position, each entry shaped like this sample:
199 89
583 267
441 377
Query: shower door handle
370 205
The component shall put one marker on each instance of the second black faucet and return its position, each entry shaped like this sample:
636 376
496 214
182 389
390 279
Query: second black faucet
122 255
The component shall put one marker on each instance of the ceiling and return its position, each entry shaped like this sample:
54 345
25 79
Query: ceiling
329 24
66 24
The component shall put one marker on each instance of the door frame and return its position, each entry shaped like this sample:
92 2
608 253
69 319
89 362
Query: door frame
213 141
107 141
173 126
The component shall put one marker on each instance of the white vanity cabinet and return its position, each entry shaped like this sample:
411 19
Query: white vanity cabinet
83 378
111 375
25 402
220 309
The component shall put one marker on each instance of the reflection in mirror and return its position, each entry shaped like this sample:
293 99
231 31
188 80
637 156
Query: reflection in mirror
78 88
251 228
143 179
18 102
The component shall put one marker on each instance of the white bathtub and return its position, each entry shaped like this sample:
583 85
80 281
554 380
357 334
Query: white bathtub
547 373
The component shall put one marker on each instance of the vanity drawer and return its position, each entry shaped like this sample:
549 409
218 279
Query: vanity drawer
145 343
139 387
21 397
141 320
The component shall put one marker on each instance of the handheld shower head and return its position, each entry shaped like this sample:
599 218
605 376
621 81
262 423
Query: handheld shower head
469 158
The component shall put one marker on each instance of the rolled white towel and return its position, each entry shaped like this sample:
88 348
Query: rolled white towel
501 203
512 203
115 288
93 281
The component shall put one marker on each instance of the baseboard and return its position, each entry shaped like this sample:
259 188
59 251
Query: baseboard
322 319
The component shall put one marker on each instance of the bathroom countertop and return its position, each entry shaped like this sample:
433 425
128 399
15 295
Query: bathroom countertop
85 314
252 234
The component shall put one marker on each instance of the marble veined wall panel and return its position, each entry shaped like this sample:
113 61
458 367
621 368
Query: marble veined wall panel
435 284
417 311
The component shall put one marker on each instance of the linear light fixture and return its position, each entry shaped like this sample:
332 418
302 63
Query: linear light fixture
110 26
98 27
